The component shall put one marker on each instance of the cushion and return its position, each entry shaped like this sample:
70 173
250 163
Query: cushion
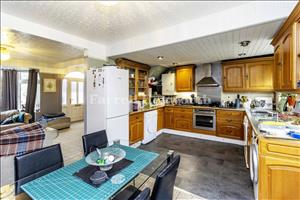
53 115
8 113
13 119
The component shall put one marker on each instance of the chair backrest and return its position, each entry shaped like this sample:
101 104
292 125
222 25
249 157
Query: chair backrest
35 164
144 195
165 181
94 140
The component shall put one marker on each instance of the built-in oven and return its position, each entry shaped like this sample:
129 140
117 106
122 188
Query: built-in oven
204 119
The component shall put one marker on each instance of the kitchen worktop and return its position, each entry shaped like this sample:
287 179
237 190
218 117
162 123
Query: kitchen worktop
185 106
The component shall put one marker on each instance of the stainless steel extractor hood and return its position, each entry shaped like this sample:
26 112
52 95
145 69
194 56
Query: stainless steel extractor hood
208 80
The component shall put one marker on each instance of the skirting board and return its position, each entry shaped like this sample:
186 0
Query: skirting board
201 136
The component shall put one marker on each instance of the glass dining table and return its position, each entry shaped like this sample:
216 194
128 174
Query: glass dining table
62 184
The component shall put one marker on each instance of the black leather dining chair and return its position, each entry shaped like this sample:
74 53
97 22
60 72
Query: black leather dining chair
165 181
144 195
94 140
163 186
35 164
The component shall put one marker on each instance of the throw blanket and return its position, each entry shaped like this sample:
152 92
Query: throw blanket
22 139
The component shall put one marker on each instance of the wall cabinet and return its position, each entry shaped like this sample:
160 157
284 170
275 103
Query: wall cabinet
230 124
279 169
185 80
169 118
247 75
136 127
138 78
286 43
168 84
160 119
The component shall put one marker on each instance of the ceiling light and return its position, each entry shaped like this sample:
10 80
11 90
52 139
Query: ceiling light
160 57
174 63
5 55
242 54
245 43
108 3
76 74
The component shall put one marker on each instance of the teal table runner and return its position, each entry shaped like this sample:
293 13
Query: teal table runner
61 184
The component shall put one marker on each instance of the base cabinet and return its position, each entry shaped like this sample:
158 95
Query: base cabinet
169 118
279 170
160 119
183 119
136 128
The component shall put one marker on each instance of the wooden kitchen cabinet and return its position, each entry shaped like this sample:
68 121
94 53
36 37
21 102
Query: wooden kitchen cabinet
160 119
136 127
185 80
169 117
230 124
286 44
248 75
279 169
183 119
233 77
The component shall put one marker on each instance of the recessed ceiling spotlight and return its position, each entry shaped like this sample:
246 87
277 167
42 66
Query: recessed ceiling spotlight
160 57
242 54
244 43
174 63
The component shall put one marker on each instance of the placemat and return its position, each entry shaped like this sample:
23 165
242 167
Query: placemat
86 172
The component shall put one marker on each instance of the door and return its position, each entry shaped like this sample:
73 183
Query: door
298 53
259 76
287 61
160 119
136 130
169 122
185 79
73 98
116 89
233 77
279 178
278 67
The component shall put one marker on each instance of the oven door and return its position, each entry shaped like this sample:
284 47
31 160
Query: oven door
204 121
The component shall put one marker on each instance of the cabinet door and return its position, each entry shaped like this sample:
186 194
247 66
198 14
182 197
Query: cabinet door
279 178
185 78
136 131
169 122
298 52
160 119
259 76
233 77
234 131
183 121
287 62
278 67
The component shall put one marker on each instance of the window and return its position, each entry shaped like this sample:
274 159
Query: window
80 92
74 92
22 91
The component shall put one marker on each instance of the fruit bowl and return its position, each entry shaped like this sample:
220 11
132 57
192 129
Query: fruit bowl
105 158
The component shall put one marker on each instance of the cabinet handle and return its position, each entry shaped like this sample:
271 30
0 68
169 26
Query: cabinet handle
229 120
224 77
246 76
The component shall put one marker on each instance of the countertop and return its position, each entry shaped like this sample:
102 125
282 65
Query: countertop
185 106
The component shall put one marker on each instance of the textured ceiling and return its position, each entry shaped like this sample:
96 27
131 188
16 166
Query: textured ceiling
212 48
97 22
28 47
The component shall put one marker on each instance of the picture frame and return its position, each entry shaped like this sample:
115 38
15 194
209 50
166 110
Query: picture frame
49 85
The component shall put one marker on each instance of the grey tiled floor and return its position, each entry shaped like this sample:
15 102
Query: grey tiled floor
211 170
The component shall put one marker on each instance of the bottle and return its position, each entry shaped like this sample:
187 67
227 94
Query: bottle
237 101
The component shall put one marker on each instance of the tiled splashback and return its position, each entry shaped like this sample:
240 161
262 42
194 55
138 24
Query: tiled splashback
226 96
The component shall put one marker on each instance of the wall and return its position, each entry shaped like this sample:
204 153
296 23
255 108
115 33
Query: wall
51 102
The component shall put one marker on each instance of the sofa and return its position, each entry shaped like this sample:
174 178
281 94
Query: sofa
5 115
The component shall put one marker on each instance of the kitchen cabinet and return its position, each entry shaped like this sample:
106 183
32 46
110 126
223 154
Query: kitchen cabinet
185 80
279 169
233 77
168 84
138 78
286 45
183 119
248 75
230 124
169 118
136 127
298 52
160 119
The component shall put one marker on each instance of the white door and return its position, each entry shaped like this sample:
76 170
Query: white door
117 94
73 98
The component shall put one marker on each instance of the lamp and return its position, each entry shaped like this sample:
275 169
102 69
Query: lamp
5 55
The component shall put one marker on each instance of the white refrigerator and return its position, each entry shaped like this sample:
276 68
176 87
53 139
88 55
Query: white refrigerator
107 103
